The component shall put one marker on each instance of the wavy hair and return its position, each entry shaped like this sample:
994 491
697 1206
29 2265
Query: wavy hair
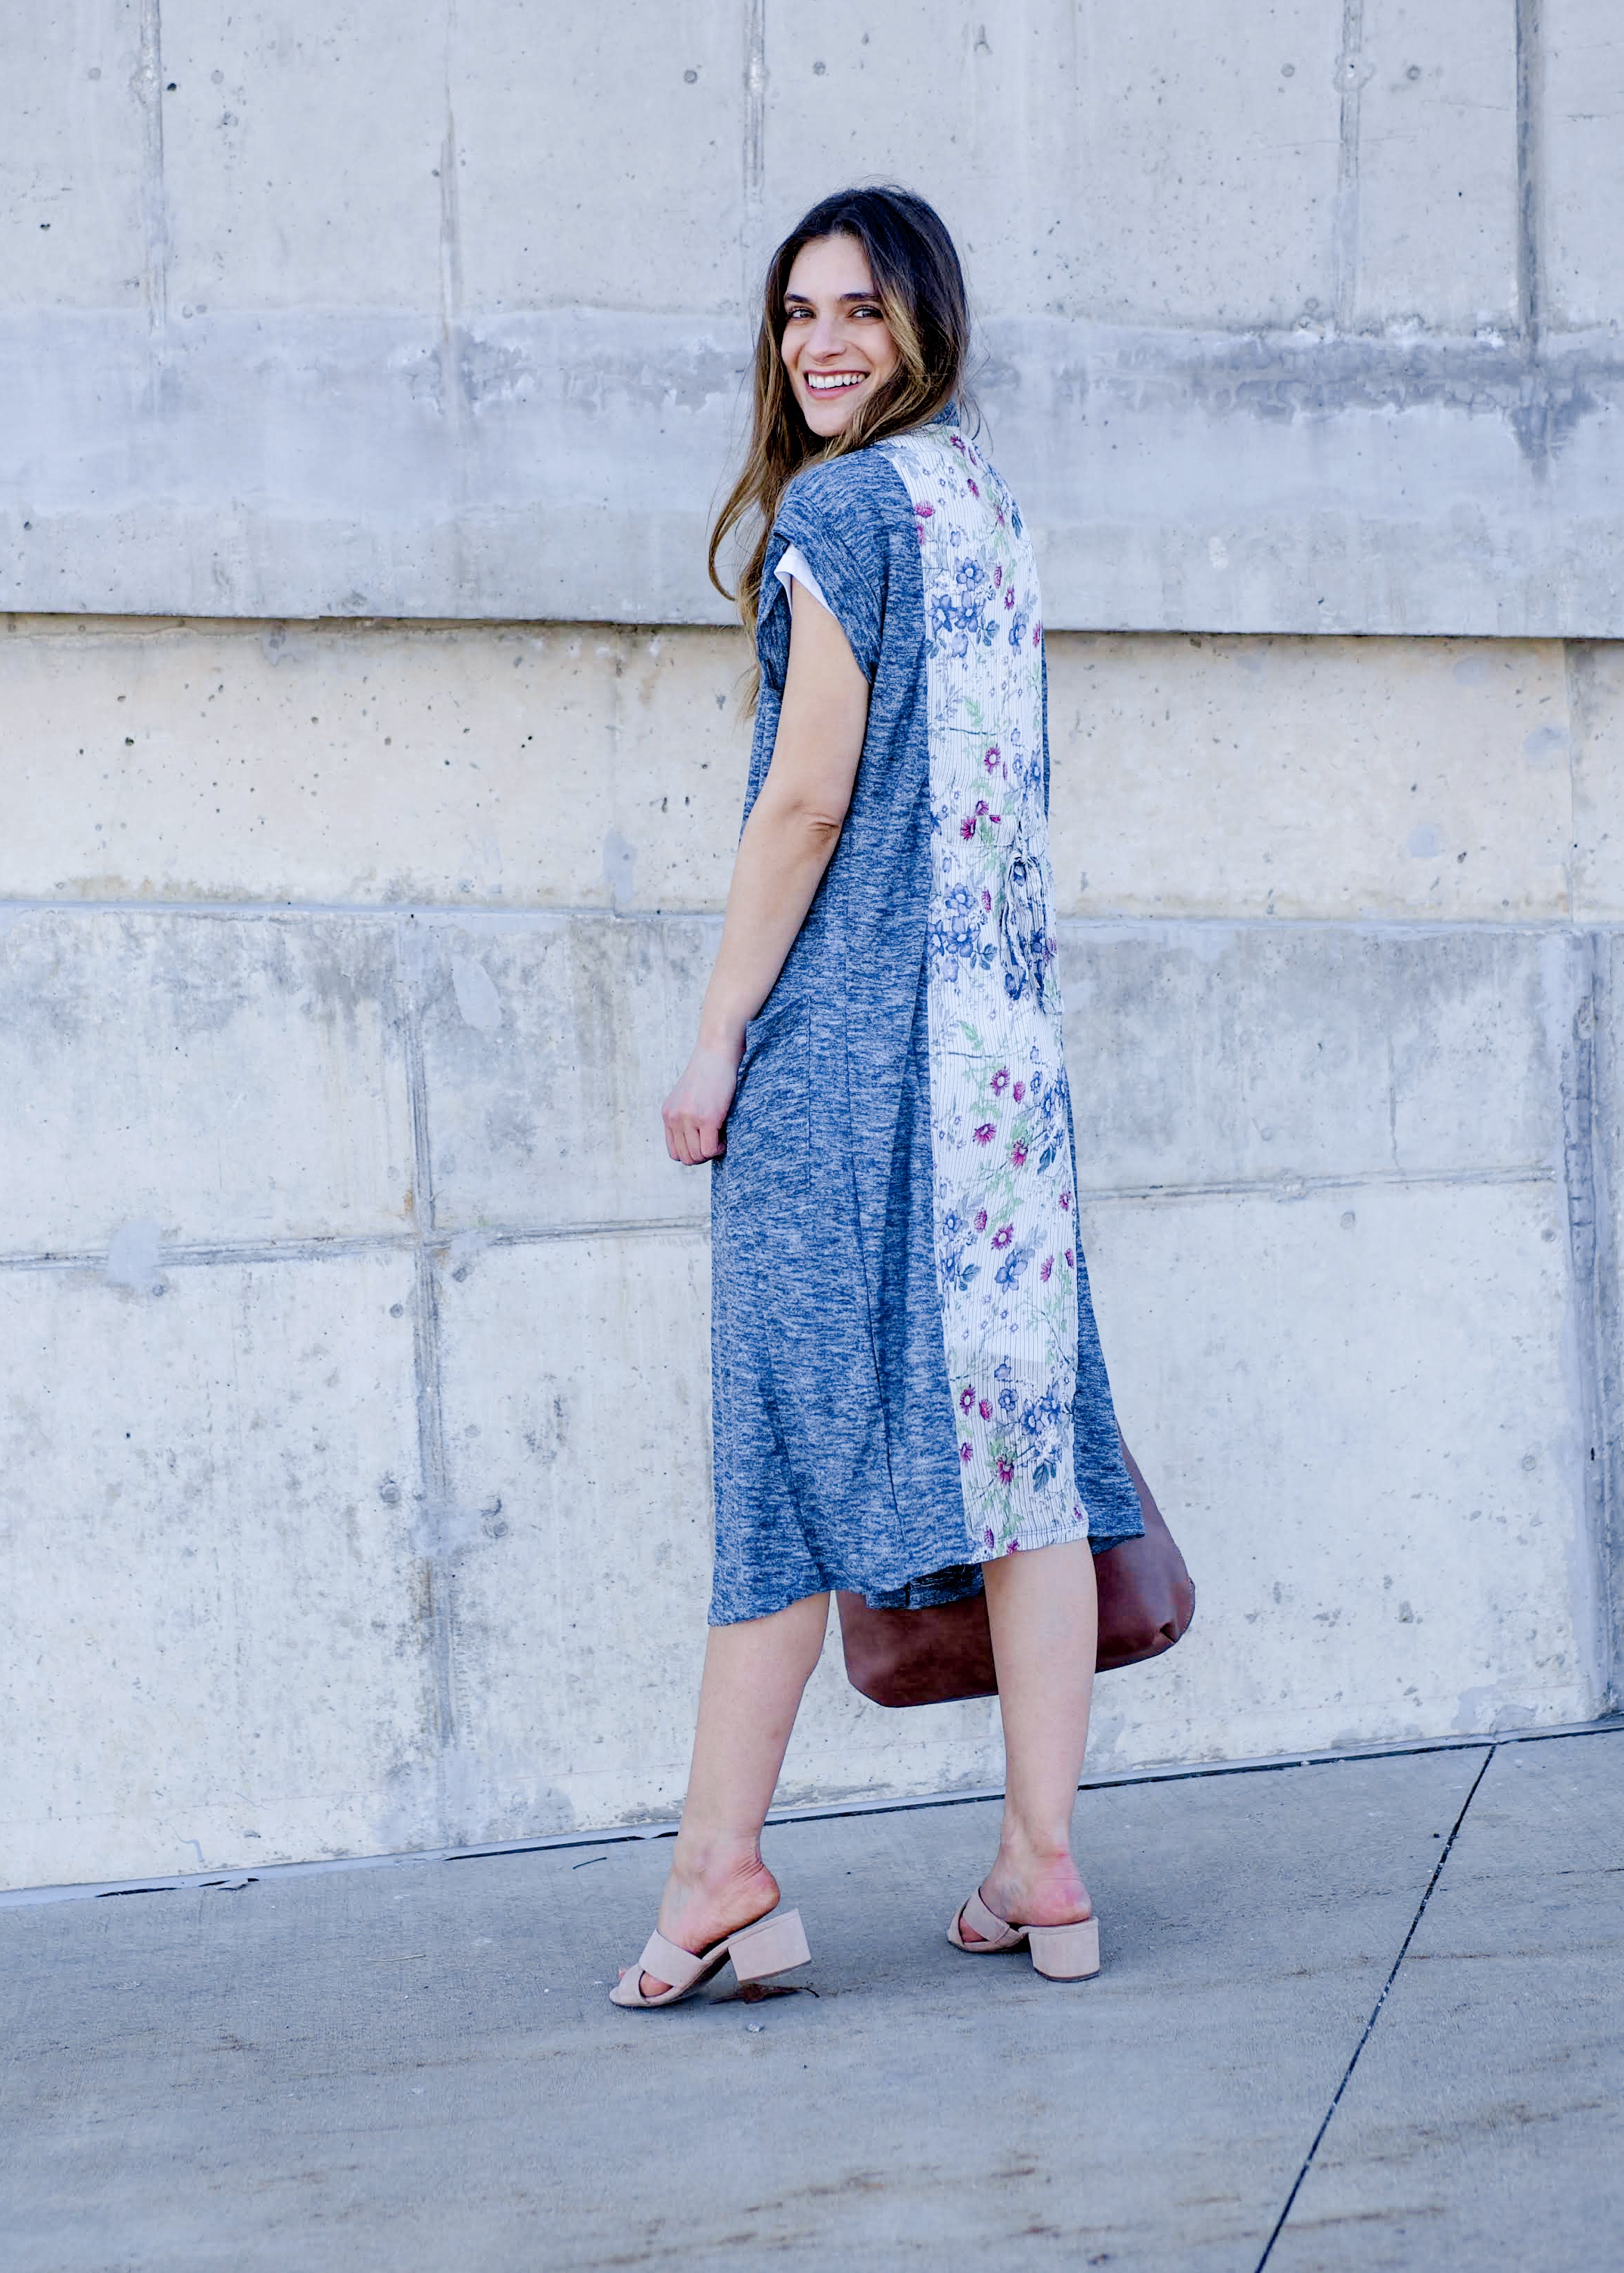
919 286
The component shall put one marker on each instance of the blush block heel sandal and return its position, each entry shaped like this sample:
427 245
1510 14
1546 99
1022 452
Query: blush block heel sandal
775 1943
1059 1953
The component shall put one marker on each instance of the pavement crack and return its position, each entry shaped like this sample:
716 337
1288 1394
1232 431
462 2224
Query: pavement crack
1376 2012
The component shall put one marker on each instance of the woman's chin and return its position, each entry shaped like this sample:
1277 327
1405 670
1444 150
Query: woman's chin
827 418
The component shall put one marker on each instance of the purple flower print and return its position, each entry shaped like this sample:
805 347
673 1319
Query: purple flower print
1005 1473
985 1409
1037 636
967 829
1001 1081
1048 1265
1019 1091
1009 597
957 444
965 1454
981 806
991 760
1065 1199
1017 1155
1078 1516
967 1398
1069 1263
995 818
981 1219
1014 1547
986 902
997 573
992 1542
972 489
1002 1236
924 511
985 1133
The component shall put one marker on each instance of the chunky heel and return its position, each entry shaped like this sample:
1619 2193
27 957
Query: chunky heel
777 1945
1065 1952
1059 1953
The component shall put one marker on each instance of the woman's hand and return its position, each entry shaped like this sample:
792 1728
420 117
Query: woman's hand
698 1106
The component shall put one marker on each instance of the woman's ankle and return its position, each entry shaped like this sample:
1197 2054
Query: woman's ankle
712 1864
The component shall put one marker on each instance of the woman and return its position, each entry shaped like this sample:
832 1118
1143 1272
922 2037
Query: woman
909 1399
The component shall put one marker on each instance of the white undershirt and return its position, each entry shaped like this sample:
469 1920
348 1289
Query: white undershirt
794 565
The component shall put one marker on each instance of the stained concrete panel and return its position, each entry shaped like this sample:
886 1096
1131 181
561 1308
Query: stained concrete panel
302 158
1358 1414
988 131
549 767
76 208
194 1078
1483 2123
600 156
1203 1054
1291 779
1207 165
549 1047
1432 224
215 1643
566 464
1595 687
558 767
1581 185
497 765
253 2062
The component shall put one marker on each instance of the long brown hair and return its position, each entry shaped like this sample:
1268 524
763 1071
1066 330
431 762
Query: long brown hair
919 286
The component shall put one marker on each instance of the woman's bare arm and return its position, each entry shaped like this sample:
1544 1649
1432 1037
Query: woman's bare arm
787 842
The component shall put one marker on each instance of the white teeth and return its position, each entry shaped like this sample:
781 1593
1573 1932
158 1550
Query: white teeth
835 382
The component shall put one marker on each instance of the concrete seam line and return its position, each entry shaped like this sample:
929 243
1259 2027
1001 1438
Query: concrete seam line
1376 2012
344 1246
630 1835
482 915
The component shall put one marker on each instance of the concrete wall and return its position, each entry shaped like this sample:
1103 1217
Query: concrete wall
355 1414
1298 318
355 1398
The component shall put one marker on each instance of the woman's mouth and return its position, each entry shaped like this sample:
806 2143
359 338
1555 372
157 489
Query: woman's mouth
832 382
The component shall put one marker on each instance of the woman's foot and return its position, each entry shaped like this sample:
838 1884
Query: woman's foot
1029 1889
699 1908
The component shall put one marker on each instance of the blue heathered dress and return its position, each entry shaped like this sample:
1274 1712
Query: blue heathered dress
906 1376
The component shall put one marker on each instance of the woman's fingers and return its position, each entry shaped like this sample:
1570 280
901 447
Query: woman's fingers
691 1141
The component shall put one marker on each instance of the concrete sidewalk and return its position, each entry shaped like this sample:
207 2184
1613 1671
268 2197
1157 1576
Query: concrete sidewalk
416 2068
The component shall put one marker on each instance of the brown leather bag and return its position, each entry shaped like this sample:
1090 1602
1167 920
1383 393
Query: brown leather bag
929 1656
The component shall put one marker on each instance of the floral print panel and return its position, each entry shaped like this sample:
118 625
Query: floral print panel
1003 1207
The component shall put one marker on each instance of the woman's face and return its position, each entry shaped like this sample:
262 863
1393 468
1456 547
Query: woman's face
836 345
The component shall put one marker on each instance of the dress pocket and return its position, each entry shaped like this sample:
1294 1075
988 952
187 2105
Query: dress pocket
768 1130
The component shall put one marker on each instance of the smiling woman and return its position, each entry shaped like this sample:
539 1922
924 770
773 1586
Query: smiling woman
910 1401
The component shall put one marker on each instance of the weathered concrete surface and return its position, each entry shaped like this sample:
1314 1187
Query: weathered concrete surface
406 2066
552 767
200 1078
536 766
1345 1195
1315 330
1484 2122
215 1631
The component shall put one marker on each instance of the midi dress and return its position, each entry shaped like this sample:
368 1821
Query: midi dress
906 1376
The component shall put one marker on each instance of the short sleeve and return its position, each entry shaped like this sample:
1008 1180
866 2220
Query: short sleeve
793 568
842 517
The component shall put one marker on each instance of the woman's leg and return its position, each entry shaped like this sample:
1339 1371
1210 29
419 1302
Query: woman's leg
754 1675
1043 1614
